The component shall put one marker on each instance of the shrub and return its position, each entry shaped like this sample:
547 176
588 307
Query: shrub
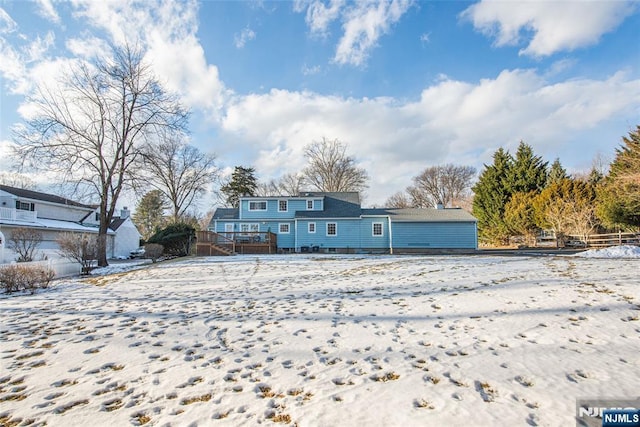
82 248
25 242
15 278
153 251
176 238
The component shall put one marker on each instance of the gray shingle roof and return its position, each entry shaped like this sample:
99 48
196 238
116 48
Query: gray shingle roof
36 195
423 215
226 213
336 205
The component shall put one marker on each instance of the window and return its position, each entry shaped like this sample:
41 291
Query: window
97 217
284 228
377 228
311 227
245 228
282 206
309 205
258 206
332 229
24 206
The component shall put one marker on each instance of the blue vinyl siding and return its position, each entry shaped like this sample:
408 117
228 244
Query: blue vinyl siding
437 235
348 234
368 240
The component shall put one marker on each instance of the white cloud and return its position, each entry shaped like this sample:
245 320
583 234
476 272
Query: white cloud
320 16
310 71
554 25
364 25
153 23
453 121
7 24
47 11
240 40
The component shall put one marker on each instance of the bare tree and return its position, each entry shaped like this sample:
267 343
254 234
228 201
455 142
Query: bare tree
287 185
90 127
331 169
17 180
179 171
25 242
82 248
443 185
398 200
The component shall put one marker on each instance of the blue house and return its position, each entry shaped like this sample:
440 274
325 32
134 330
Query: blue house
335 223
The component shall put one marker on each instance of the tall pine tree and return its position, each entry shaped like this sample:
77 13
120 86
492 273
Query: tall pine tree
491 196
243 182
528 173
556 173
149 215
620 195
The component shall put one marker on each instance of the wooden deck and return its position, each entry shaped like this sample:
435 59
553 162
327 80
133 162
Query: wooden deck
210 243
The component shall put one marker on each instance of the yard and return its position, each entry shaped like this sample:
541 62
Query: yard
313 340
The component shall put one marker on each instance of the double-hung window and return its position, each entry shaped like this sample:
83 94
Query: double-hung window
258 205
283 228
332 229
376 229
311 227
309 205
283 206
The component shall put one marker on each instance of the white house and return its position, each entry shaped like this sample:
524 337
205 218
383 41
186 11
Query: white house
54 215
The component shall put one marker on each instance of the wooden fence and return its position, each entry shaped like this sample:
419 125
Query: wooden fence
603 240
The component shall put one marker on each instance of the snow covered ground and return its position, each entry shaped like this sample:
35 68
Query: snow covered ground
324 341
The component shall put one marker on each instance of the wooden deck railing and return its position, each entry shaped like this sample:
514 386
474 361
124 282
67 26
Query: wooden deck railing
252 242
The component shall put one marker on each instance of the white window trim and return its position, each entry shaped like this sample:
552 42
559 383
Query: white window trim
284 224
309 208
327 229
373 229
286 203
252 227
309 228
255 202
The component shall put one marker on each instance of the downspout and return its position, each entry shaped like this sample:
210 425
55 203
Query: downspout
295 235
390 236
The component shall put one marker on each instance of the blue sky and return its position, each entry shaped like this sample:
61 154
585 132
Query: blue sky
405 84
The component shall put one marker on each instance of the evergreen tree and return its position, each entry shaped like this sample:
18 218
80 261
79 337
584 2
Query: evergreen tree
491 196
556 172
243 182
528 173
620 195
519 216
149 215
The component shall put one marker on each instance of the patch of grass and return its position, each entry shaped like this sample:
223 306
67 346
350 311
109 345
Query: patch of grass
421 403
190 400
64 408
30 355
431 379
7 421
112 405
265 391
141 418
279 418
389 376
524 381
13 397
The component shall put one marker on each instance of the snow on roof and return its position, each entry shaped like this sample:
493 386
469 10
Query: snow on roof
54 224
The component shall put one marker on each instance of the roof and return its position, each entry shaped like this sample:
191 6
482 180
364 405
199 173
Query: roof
226 213
423 215
44 197
55 224
116 223
336 205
